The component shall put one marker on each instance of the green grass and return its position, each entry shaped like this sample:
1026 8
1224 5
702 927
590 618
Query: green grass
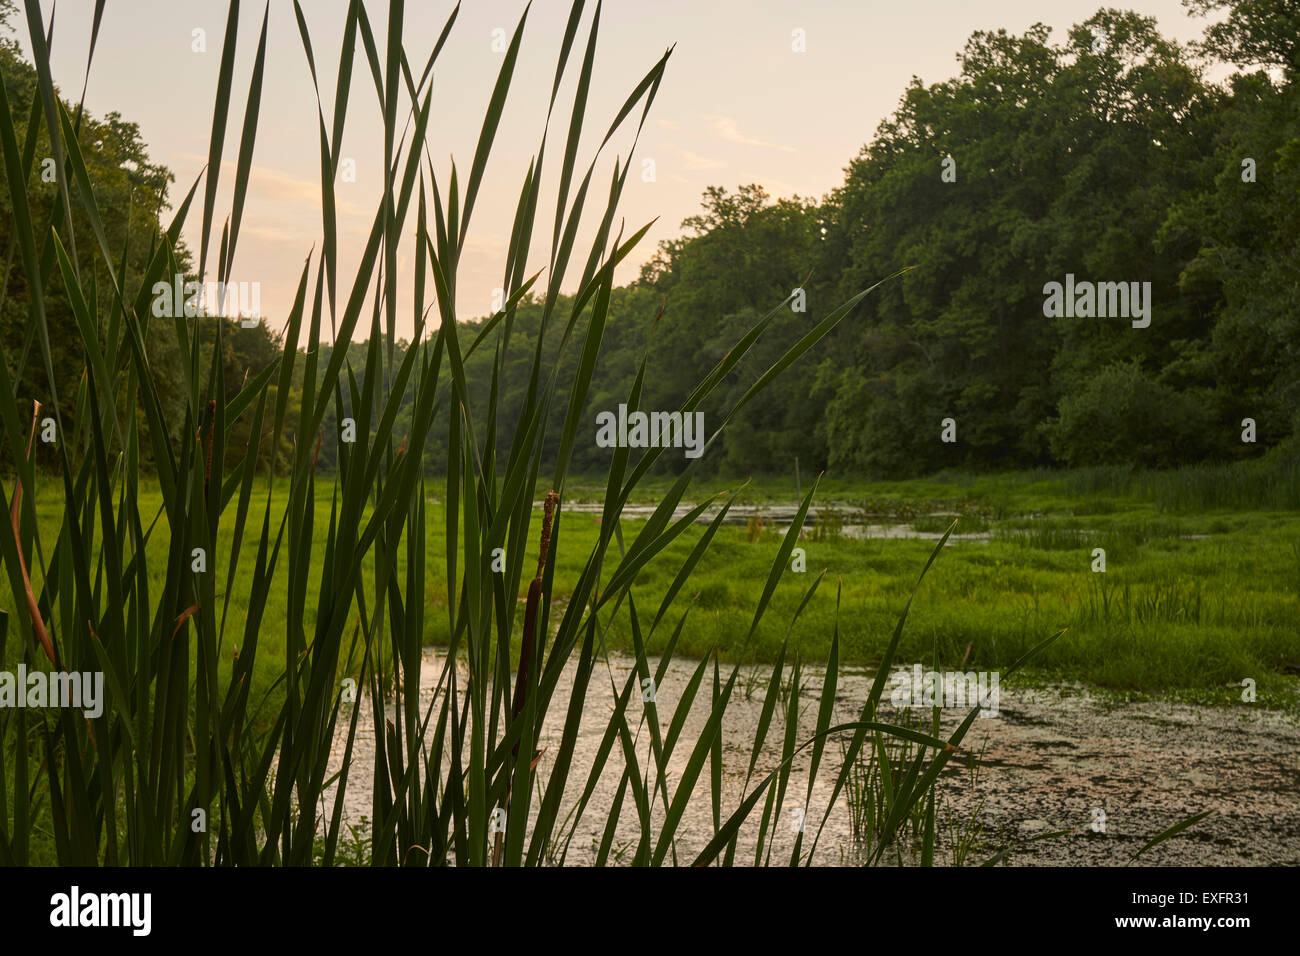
1172 613
1269 484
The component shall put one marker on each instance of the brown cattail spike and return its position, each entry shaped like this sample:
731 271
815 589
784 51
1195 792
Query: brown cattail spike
548 512
532 608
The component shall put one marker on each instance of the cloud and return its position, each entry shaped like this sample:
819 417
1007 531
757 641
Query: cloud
695 161
774 187
271 235
726 129
276 186
485 243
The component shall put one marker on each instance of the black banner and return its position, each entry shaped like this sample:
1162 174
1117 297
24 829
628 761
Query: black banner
274 906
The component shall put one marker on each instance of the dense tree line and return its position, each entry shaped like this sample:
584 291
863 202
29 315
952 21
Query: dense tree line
132 195
1111 159
1104 154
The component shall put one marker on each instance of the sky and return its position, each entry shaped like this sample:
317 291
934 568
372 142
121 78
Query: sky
739 104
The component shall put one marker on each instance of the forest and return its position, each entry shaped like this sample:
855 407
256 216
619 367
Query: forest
1114 163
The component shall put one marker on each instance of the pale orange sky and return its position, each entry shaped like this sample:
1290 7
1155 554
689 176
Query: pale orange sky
737 105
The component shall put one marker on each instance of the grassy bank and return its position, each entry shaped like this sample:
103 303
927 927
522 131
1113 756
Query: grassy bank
1190 603
1271 483
1199 593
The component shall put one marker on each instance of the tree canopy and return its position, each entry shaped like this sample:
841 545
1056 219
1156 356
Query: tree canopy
1103 154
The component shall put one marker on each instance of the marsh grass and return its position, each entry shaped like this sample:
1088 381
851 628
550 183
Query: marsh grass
829 524
931 831
1269 482
973 523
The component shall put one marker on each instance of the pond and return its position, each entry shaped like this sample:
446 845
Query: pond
852 522
1051 759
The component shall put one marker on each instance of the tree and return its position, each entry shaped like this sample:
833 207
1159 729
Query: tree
1254 33
130 193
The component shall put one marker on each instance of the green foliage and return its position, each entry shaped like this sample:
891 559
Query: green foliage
1069 159
1253 32
1122 415
1115 164
130 191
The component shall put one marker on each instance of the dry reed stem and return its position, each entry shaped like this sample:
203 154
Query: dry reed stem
33 608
